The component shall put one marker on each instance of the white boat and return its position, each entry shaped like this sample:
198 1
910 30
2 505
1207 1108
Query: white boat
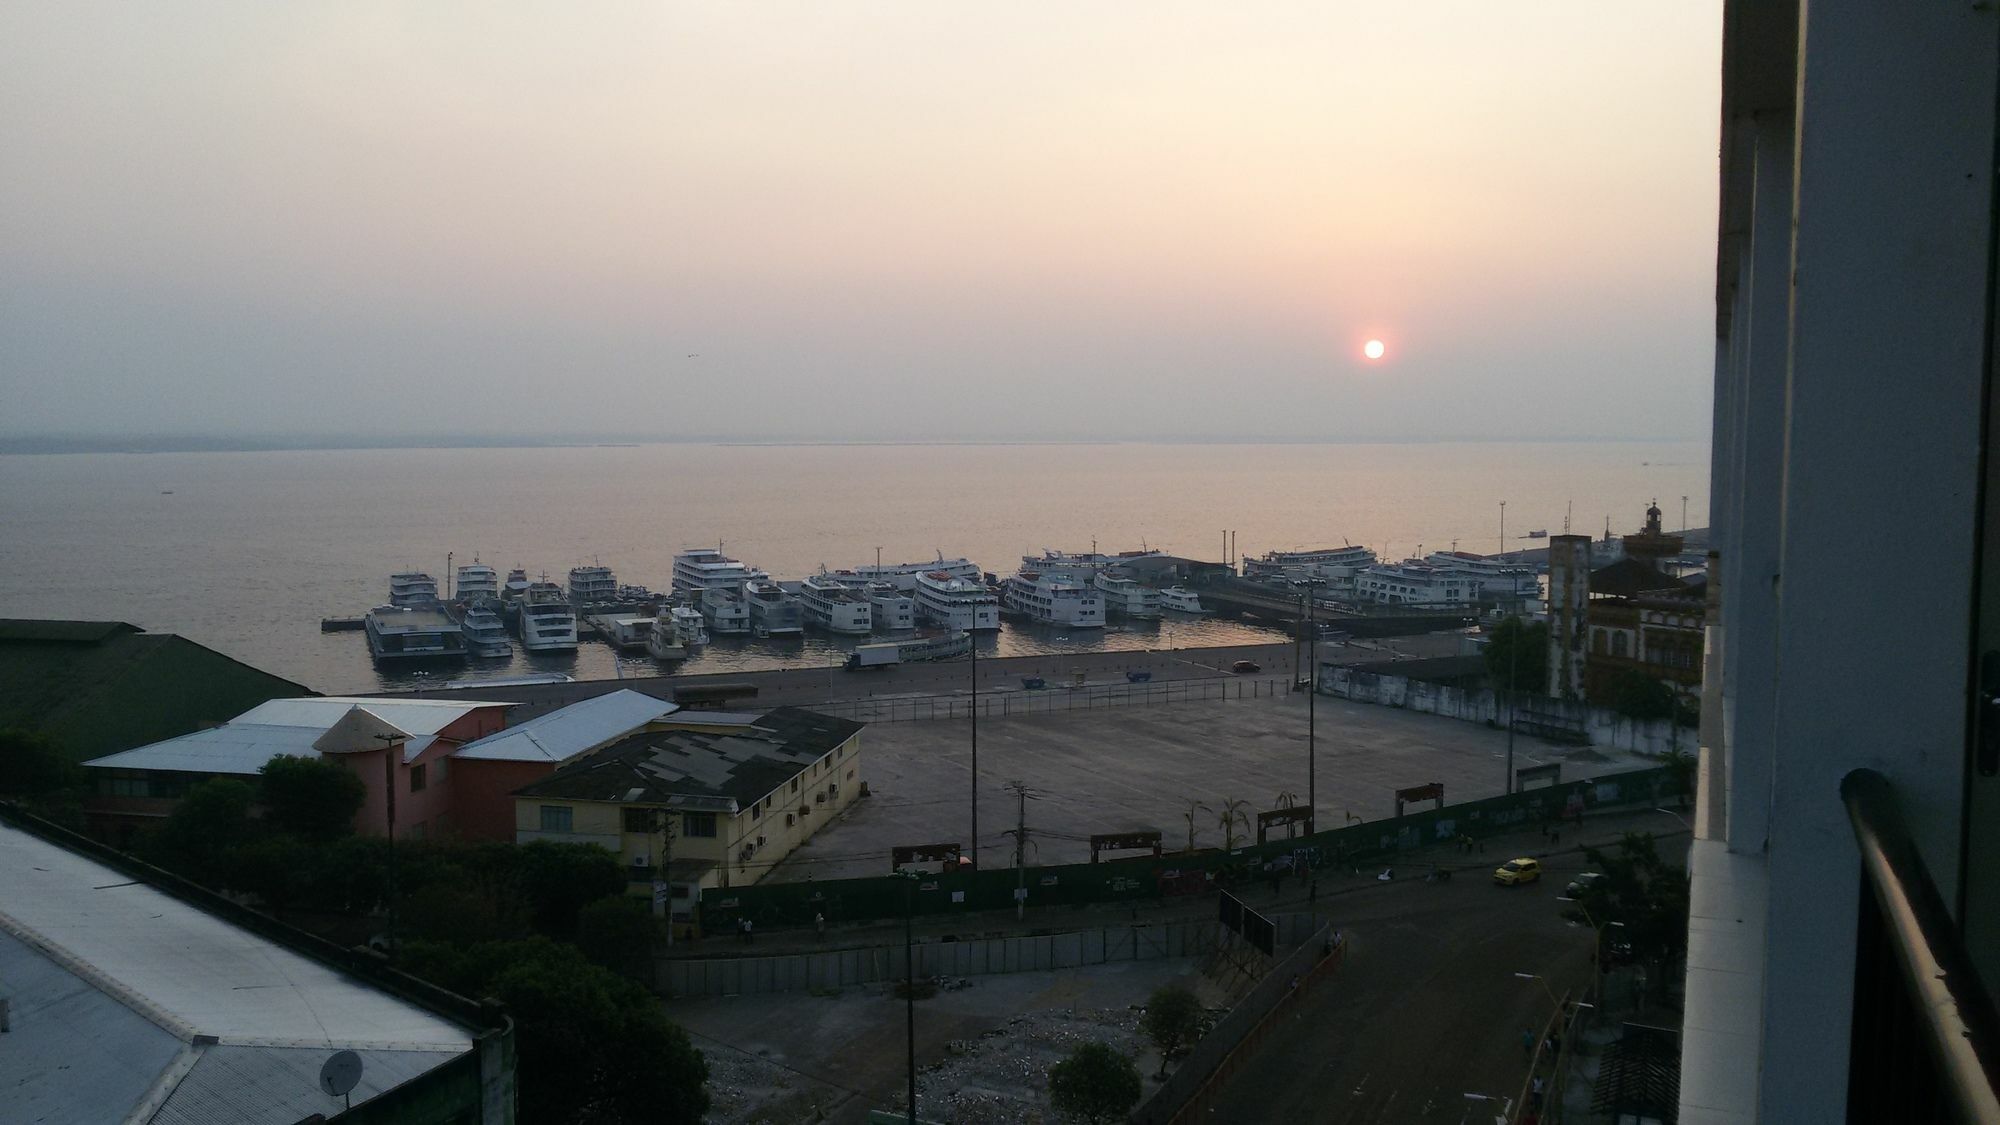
1081 566
516 587
903 576
889 653
725 611
1054 600
1496 577
955 602
476 580
547 622
774 611
410 633
677 632
1125 598
705 568
592 584
1180 599
1416 583
1335 566
485 633
413 590
834 607
891 610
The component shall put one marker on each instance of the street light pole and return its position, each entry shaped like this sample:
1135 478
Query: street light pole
910 989
1513 674
972 646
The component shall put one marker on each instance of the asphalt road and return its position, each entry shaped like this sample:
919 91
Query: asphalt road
1426 1010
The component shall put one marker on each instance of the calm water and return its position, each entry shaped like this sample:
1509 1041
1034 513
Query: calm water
250 550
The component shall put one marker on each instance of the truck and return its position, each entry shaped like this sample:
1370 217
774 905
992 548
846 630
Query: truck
887 654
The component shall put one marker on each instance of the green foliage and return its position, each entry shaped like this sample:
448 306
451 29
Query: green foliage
593 1046
1644 894
620 934
32 766
1636 695
312 798
1095 1083
200 838
558 879
1517 657
1172 1021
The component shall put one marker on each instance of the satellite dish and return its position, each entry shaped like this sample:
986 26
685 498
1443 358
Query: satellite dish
340 1073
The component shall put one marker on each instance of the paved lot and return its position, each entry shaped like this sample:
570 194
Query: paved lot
1134 767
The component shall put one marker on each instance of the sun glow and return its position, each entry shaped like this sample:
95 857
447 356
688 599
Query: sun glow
1373 349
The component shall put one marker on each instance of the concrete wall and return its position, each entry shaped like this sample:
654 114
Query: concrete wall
1603 726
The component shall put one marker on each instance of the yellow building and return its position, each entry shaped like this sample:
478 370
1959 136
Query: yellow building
711 799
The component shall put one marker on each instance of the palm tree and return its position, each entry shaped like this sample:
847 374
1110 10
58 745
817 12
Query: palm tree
1228 817
1194 808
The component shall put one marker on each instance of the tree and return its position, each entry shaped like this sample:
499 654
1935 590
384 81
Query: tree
1228 817
200 838
1095 1083
311 798
1172 1021
1636 695
1645 895
591 1045
33 766
1517 655
621 934
557 880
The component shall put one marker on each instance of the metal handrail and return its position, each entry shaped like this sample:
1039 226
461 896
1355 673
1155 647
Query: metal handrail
1956 1015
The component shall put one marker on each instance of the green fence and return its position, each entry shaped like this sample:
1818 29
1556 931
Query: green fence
1150 879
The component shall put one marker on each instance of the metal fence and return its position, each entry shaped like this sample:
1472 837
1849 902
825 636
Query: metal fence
1000 705
835 968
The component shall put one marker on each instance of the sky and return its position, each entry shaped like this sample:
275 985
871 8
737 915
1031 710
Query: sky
859 221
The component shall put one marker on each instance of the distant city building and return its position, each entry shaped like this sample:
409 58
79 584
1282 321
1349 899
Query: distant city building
738 791
128 1000
1628 617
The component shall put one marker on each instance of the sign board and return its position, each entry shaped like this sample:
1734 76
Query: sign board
659 892
947 854
1431 791
1020 894
1297 814
1123 841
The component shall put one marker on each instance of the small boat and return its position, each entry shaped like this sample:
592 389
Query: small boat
485 633
1181 600
1540 533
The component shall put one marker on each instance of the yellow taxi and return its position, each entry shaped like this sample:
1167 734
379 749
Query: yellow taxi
1517 871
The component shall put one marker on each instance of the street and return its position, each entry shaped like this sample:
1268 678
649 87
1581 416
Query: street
1427 1009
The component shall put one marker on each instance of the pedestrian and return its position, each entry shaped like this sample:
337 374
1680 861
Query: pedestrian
1535 1094
743 931
749 936
1527 1041
1312 890
819 924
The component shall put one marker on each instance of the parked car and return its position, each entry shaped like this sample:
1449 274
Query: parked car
1582 883
1246 666
1514 872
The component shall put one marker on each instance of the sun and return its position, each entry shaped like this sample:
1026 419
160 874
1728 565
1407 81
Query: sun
1373 349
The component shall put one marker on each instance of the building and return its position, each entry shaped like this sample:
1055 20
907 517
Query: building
134 996
1416 584
1608 623
399 747
722 797
97 687
1849 774
453 772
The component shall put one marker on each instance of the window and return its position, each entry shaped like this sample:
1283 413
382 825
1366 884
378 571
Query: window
556 818
756 812
698 824
418 778
639 820
439 763
788 820
795 785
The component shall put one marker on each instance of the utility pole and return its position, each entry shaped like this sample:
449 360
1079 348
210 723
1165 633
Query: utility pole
1513 673
448 556
1020 850
390 752
663 819
972 649
910 988
1684 513
1503 527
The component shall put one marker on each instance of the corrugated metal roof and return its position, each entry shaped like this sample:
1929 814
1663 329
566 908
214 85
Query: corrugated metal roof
111 981
563 734
739 763
418 716
232 749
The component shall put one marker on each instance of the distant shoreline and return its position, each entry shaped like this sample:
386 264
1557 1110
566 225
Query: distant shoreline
30 445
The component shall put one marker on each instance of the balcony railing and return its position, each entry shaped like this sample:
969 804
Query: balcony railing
1924 1043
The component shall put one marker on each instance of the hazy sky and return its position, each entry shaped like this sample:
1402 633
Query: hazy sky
903 221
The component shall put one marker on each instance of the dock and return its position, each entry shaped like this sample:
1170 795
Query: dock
341 624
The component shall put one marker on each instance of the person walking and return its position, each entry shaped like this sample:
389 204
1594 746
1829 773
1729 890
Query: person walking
819 924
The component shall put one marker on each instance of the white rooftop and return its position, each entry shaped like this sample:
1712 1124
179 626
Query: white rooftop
563 734
417 716
131 1005
228 750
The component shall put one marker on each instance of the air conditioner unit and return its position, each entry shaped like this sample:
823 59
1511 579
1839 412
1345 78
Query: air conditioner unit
642 861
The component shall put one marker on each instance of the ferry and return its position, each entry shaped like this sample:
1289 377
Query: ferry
889 653
956 602
725 611
1336 565
591 584
705 568
773 611
413 590
547 621
1081 565
891 610
1496 577
516 587
408 633
485 633
1054 600
1416 583
1180 599
476 580
1125 598
903 576
677 631
835 607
